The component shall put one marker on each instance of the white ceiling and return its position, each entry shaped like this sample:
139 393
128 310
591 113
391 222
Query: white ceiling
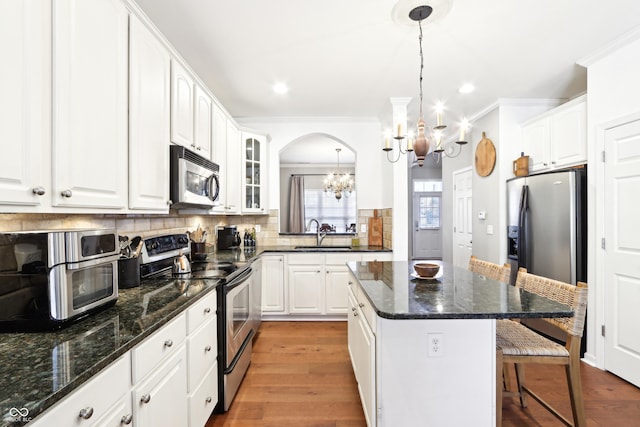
347 58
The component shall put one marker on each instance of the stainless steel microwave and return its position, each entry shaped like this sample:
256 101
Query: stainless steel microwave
51 278
195 181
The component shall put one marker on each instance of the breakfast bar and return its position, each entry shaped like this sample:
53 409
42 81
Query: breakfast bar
423 350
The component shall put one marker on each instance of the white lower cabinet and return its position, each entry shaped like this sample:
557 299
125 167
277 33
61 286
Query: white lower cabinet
102 401
273 284
306 289
362 349
203 399
161 398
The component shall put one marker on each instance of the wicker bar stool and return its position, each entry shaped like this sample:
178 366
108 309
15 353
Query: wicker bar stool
520 345
489 269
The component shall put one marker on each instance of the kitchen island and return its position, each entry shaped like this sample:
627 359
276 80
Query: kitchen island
423 351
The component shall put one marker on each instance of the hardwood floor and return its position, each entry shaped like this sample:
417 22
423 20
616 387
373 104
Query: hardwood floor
301 376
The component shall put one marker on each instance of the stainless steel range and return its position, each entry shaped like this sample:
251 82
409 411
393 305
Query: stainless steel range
237 320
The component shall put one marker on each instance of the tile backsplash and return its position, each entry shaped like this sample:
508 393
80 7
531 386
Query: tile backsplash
148 225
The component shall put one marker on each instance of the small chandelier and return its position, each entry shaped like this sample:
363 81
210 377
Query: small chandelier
420 146
338 184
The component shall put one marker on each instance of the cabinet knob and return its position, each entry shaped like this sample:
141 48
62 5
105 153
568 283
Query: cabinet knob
208 399
86 413
39 191
350 282
168 343
355 314
146 398
353 309
207 349
553 163
207 310
360 305
169 202
318 271
545 164
126 419
66 193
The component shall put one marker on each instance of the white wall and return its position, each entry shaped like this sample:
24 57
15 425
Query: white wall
361 135
613 91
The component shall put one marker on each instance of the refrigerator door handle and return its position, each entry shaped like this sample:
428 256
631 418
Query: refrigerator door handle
523 228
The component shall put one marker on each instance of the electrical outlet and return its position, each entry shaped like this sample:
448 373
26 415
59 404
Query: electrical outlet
257 228
363 228
436 345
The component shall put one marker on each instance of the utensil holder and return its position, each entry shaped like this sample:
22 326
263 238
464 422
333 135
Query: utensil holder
128 272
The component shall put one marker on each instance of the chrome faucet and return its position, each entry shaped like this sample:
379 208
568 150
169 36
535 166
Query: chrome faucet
319 236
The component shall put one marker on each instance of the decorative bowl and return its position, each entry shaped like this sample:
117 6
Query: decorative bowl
426 270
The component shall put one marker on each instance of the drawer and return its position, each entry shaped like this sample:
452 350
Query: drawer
100 396
367 310
341 259
146 356
204 398
305 259
202 350
201 311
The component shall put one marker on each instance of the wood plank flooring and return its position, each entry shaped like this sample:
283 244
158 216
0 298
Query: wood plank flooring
301 376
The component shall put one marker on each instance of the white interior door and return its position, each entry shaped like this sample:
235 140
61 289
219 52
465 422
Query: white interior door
462 198
622 253
427 232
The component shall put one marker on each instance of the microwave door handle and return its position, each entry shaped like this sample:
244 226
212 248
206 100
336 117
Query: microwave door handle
214 187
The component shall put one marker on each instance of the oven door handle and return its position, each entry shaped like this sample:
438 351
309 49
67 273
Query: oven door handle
244 345
239 279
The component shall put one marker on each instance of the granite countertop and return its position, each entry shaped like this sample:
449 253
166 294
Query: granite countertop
456 293
39 369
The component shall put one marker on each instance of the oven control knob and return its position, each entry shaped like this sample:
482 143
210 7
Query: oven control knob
183 239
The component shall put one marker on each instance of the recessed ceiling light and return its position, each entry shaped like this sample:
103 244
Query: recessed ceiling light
280 88
467 88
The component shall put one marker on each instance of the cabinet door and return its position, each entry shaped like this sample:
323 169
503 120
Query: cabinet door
204 398
273 286
337 282
119 415
232 179
90 103
182 103
366 369
25 104
202 127
306 284
254 149
149 128
536 137
219 155
161 399
352 335
569 136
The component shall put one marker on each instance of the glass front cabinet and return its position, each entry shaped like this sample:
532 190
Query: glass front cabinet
254 190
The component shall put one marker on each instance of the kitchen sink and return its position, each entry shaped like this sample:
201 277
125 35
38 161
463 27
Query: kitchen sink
323 248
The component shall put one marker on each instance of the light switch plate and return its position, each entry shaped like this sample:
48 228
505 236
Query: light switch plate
489 229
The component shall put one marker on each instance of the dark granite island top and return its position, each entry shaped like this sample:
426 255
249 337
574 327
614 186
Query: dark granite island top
455 293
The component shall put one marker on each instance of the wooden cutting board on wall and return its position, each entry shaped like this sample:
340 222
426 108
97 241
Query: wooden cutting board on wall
375 230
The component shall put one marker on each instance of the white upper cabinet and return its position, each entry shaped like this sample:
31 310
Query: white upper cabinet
90 103
558 137
149 129
232 179
219 155
203 129
182 103
25 104
254 148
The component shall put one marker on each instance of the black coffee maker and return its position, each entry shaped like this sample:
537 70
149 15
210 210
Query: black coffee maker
228 237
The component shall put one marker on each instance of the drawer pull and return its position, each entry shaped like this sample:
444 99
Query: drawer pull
350 282
355 314
66 193
126 419
353 309
207 310
168 343
146 398
360 305
207 349
208 399
86 413
39 191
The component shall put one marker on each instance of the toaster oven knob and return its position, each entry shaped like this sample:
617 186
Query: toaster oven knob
39 191
86 413
126 419
66 193
146 398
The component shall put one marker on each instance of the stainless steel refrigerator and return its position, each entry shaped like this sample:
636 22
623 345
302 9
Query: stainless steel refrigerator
547 227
